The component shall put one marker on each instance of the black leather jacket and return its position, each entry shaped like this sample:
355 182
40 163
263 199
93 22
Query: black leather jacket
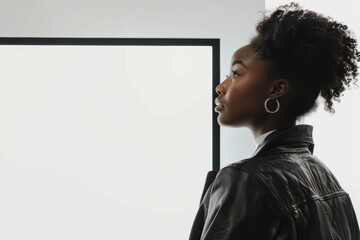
281 192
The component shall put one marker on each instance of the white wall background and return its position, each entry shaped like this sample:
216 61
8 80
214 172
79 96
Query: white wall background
336 136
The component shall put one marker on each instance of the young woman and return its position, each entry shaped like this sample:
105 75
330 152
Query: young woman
283 191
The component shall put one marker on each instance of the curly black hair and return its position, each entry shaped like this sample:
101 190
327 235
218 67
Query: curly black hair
316 54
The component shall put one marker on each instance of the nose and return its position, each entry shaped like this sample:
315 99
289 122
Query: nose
219 89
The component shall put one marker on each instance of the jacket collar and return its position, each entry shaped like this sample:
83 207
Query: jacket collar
301 133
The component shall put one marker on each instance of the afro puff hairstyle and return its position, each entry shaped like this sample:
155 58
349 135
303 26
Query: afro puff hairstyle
314 53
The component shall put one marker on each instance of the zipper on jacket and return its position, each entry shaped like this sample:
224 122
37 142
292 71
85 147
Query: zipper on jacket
295 214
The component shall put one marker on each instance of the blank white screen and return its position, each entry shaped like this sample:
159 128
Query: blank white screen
103 142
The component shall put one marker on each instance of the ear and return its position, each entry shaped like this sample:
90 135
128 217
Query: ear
279 87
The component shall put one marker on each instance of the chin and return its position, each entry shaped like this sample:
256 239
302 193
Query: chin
235 123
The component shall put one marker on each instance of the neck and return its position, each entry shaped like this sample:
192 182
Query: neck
260 129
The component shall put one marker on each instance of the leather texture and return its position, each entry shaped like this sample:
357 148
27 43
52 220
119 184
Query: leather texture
282 192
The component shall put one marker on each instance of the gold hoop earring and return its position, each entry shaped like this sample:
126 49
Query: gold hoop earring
277 108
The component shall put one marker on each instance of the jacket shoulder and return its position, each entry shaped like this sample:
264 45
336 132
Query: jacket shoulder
293 178
243 175
236 202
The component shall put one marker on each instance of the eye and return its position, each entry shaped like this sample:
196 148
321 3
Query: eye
234 74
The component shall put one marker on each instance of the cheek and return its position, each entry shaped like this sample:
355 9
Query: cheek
244 103
248 97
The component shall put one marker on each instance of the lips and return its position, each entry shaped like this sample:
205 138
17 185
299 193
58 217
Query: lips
218 103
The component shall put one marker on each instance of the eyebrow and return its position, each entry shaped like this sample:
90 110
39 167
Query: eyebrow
239 61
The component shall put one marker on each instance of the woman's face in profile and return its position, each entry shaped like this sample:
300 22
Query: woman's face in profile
245 90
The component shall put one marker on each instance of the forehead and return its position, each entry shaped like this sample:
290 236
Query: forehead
244 53
252 62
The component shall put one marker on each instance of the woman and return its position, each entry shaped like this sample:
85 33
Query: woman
283 191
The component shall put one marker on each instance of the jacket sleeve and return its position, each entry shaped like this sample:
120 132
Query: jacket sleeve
240 207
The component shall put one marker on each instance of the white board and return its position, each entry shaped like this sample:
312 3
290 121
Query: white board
103 142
